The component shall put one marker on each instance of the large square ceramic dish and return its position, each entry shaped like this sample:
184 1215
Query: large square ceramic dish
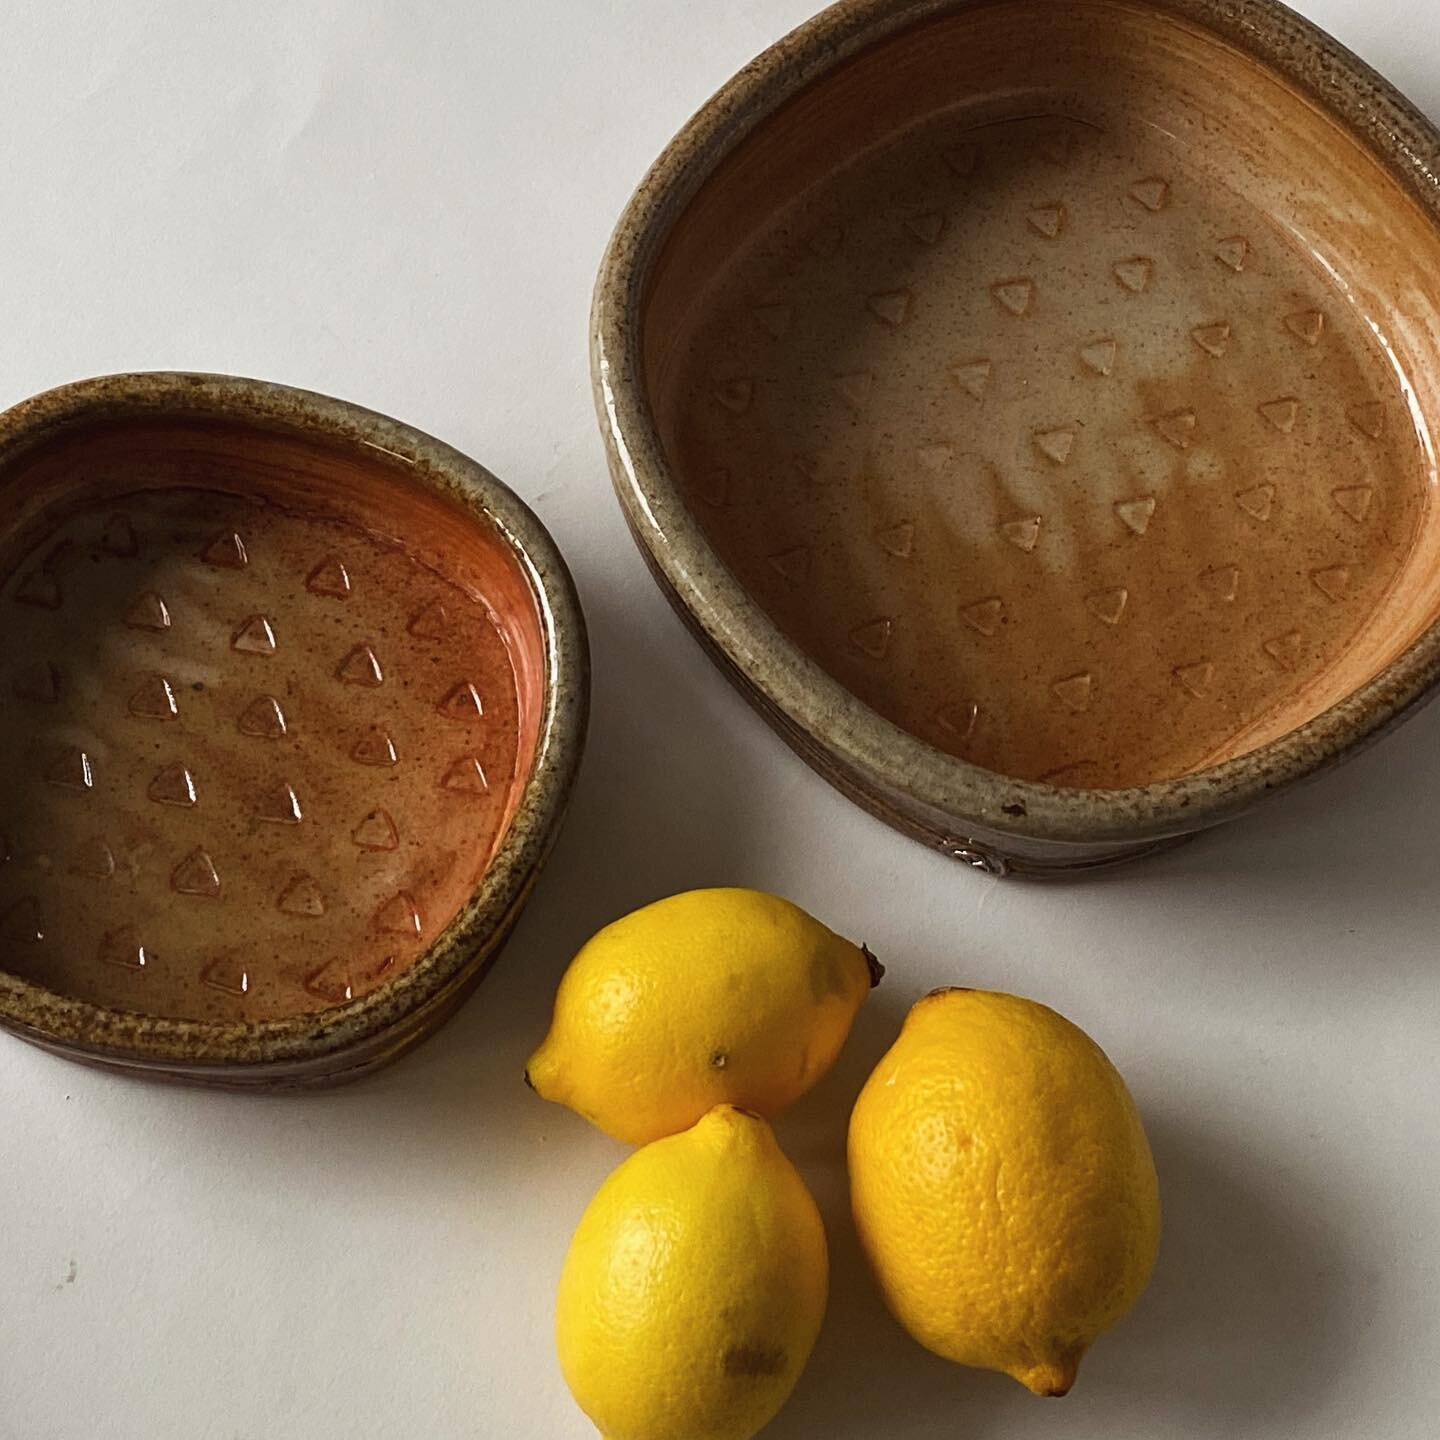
293 696
1030 404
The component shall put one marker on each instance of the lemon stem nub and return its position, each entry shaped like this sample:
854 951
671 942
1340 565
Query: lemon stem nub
1052 1380
877 970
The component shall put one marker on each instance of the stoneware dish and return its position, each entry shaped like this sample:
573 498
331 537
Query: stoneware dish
1030 405
293 696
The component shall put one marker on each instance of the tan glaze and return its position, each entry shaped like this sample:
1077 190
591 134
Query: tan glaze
1064 402
272 710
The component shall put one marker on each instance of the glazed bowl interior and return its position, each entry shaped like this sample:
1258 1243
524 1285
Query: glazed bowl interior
1060 380
270 707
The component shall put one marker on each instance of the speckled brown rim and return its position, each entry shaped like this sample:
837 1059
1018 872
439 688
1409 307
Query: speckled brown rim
347 1039
867 755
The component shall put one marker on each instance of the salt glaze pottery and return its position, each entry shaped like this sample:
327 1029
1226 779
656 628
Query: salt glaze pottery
1030 406
293 696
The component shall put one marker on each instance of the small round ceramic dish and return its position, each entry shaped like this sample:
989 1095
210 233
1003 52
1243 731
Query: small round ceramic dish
293 696
1031 406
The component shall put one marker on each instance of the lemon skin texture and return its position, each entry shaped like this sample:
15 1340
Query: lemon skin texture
710 997
694 1286
1002 1186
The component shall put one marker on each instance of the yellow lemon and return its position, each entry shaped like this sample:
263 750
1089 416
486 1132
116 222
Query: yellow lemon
694 1287
711 997
1002 1186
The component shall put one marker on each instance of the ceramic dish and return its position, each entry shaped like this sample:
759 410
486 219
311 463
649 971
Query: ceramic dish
1030 405
293 699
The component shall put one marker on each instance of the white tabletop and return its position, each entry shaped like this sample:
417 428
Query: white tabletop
404 204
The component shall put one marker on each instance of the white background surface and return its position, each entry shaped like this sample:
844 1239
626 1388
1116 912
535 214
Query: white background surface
404 204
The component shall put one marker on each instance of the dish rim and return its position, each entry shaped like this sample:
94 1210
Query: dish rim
797 692
403 1009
